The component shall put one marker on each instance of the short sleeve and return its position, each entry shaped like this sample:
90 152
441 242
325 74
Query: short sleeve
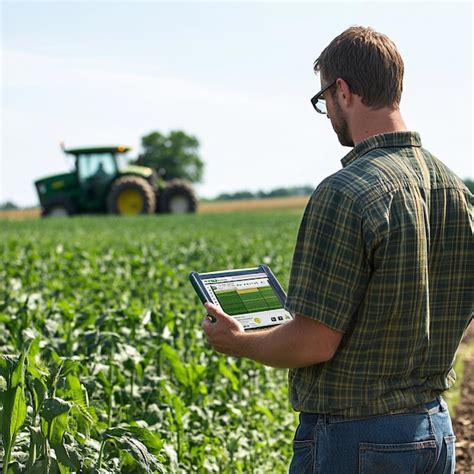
329 274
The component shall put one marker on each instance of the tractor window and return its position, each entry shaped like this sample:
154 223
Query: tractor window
122 160
99 167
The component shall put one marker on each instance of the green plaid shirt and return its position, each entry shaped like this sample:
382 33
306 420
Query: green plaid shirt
385 255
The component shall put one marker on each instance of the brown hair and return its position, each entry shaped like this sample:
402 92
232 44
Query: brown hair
369 62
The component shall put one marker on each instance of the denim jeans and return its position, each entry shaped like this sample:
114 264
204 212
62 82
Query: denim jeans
417 440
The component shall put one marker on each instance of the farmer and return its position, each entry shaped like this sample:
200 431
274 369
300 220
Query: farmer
381 283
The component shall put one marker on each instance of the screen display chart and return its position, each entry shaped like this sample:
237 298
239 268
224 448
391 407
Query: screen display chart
250 299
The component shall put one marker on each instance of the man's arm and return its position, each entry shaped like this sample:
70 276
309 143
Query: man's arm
298 343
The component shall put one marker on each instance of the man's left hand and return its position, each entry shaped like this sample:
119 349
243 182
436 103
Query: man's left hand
222 334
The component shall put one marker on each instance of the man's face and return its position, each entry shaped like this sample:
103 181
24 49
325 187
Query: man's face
338 118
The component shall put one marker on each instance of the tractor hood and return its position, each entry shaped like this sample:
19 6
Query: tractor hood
142 171
56 182
59 184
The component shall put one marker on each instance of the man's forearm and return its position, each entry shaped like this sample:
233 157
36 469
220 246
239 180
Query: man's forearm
289 346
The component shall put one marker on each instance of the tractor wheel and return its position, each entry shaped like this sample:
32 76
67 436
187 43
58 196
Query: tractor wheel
59 206
177 197
131 195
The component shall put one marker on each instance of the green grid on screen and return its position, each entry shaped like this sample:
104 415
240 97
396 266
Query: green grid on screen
234 302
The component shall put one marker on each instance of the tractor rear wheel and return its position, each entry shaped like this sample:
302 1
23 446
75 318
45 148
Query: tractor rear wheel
131 195
59 206
177 197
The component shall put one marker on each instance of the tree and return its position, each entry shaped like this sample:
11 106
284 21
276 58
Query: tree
173 156
8 205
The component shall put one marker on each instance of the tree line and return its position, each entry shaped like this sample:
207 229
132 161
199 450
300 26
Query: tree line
176 155
278 192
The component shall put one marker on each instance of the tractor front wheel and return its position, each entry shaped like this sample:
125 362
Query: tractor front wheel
131 195
59 206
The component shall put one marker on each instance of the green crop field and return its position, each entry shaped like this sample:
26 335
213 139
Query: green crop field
104 366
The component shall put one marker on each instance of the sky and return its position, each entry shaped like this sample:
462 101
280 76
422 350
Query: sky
237 75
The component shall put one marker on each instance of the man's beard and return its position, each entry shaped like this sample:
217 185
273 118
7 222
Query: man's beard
340 125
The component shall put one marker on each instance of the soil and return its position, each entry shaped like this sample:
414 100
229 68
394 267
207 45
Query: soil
463 421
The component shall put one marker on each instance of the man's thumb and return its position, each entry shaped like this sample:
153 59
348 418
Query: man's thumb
214 310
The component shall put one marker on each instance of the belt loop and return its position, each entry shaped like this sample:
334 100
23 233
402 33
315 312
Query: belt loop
442 404
323 419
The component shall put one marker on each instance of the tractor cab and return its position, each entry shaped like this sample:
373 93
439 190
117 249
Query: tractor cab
96 168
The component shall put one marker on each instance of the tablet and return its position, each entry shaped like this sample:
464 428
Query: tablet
253 296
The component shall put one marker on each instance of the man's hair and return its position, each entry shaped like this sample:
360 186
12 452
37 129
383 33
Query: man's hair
369 62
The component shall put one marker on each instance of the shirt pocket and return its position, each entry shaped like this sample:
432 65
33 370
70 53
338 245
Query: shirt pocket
397 458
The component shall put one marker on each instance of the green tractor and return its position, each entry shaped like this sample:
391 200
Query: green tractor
103 182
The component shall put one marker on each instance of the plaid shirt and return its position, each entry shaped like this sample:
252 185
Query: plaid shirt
385 255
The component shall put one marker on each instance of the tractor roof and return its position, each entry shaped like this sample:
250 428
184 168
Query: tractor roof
98 149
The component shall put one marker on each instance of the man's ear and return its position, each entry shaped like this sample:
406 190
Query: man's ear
344 92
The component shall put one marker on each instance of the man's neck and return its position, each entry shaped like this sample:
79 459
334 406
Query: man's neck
374 122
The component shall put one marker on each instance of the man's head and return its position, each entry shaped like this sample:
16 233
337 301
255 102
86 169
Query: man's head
369 62
366 70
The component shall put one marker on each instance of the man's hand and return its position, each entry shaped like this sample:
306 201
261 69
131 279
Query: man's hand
222 334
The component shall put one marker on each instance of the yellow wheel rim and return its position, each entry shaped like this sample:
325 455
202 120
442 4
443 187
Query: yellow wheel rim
130 202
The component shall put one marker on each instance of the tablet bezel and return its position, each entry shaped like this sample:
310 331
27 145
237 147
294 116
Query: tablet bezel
198 284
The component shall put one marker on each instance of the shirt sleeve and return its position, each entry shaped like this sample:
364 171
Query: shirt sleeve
330 273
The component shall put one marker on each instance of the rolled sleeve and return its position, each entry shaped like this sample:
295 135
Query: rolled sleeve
329 274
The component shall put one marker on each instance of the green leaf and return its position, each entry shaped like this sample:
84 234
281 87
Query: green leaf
228 374
36 445
68 366
7 365
179 369
68 457
150 439
55 412
54 407
138 451
38 391
265 411
18 374
14 415
178 409
41 467
105 382
57 429
79 397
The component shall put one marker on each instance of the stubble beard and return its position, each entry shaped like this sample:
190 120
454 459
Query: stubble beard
341 126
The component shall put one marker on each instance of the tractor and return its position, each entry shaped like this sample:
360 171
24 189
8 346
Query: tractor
104 182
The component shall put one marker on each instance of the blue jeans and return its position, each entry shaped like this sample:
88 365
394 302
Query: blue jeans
417 440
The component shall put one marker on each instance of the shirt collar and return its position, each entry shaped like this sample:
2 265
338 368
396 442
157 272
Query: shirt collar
384 140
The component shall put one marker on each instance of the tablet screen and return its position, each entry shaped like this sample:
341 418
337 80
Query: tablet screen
248 298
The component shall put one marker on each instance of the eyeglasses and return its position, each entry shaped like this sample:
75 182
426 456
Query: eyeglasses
319 102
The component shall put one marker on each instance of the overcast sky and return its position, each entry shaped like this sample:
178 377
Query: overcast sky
236 75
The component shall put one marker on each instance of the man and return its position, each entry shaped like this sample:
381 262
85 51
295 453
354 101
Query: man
381 284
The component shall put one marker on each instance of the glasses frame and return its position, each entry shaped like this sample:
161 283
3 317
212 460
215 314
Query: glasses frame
314 100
